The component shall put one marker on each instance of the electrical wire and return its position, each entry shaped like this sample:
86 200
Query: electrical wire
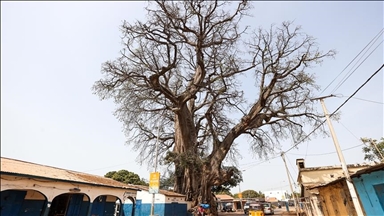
377 71
293 167
108 167
328 153
350 74
374 38
366 100
252 165
306 151
358 89
349 131
259 162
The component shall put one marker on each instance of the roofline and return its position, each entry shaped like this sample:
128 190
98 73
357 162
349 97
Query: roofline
64 180
355 175
333 167
329 183
28 162
373 168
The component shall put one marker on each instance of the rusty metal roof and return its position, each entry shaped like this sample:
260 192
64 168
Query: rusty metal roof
367 170
334 167
22 168
314 177
370 169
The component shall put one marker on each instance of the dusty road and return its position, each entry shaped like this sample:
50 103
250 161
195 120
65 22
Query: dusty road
277 212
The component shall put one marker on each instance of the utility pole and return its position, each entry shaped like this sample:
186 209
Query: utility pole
156 158
377 149
351 188
290 184
241 198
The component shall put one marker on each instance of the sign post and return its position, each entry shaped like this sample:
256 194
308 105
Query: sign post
154 182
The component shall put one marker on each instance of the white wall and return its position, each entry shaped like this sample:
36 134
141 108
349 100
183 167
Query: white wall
146 197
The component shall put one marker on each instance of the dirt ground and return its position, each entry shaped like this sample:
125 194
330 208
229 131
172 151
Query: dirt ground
277 212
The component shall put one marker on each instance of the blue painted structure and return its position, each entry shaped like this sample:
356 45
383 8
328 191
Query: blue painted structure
100 207
75 207
167 209
13 204
369 184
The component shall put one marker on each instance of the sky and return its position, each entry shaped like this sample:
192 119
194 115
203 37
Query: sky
51 54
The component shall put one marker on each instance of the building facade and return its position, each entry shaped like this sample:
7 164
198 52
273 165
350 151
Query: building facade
369 184
325 191
30 189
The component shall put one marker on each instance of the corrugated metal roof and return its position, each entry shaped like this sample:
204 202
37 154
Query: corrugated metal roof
18 167
334 167
314 177
356 174
373 168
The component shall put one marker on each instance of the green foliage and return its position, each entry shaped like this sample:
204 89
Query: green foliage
224 191
297 195
374 149
232 182
167 180
250 194
126 177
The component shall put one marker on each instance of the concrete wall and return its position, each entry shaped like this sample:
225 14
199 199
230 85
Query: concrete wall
370 189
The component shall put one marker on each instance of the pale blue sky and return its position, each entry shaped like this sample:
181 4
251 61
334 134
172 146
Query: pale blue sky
51 54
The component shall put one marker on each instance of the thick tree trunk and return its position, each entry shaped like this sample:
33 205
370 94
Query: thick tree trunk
193 177
196 176
185 152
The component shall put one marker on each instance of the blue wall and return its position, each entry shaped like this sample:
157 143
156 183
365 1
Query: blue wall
101 207
144 209
77 207
370 188
13 204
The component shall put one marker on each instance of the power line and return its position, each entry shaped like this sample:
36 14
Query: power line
342 82
293 167
374 38
259 162
378 102
328 153
349 131
297 142
358 89
306 151
378 70
107 167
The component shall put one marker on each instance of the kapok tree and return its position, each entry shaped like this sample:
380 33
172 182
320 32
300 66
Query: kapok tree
179 74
